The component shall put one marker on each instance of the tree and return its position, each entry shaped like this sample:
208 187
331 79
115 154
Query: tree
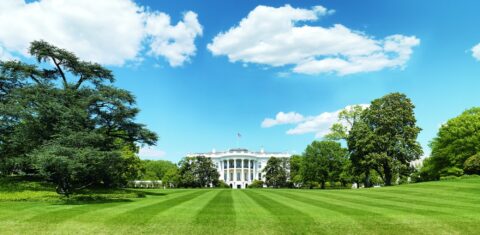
296 162
61 118
324 161
197 171
275 173
346 119
456 141
155 170
171 178
361 142
385 138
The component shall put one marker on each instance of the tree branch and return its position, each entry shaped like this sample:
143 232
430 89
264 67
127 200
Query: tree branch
65 84
79 83
35 79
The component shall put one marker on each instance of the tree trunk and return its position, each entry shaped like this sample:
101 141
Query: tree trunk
388 175
367 179
323 185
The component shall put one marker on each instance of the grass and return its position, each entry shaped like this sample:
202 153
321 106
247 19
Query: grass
445 207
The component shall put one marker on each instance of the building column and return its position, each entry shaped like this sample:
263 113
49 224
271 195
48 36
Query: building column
243 170
228 170
255 169
249 171
235 170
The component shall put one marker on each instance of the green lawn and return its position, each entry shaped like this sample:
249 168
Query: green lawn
446 207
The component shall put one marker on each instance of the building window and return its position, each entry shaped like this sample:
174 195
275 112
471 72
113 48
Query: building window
251 176
259 176
246 176
259 165
225 176
238 176
231 177
224 164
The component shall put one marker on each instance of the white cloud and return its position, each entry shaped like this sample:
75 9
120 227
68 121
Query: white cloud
319 124
279 36
173 42
110 32
151 153
476 52
282 118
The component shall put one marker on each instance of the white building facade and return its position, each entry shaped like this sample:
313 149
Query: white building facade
239 167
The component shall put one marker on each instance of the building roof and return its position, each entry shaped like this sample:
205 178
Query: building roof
241 152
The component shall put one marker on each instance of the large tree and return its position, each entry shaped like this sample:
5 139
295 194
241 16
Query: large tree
156 170
457 140
296 162
197 172
324 161
385 139
63 118
275 173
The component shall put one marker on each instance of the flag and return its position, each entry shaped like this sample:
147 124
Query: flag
239 135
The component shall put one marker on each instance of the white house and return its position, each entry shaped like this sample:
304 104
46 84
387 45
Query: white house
239 167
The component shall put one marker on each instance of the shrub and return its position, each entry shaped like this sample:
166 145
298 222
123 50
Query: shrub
222 184
452 171
256 184
451 177
472 165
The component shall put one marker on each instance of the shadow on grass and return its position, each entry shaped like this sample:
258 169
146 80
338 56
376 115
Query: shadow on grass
87 202
146 192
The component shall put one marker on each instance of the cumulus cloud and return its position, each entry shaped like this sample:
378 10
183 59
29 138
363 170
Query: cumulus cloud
282 118
173 42
319 124
151 153
111 32
476 52
280 36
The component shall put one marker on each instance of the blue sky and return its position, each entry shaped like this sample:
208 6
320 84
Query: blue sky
204 100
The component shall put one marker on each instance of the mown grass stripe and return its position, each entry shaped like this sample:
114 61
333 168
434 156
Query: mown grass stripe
144 214
365 216
251 218
219 212
443 196
402 209
384 203
290 220
437 204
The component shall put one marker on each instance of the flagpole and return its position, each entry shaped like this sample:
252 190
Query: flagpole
238 139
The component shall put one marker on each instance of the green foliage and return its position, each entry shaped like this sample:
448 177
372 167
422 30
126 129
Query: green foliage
155 170
324 161
275 173
456 141
472 164
346 118
222 184
61 119
385 138
171 178
197 172
256 184
296 163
